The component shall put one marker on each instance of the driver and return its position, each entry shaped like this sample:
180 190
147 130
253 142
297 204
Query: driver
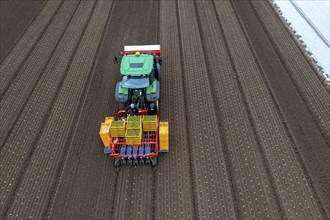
132 110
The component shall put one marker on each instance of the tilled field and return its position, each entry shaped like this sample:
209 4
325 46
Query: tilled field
248 113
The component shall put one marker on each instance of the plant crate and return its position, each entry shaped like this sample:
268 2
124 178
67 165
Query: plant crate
134 125
163 136
118 129
134 118
105 133
150 123
133 136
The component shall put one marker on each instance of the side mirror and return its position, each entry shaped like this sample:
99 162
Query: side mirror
115 60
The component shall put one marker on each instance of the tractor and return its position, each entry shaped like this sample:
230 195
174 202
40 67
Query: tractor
137 136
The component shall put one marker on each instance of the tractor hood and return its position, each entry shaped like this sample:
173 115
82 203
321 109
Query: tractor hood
136 65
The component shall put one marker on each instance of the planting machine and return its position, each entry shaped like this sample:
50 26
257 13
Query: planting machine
137 136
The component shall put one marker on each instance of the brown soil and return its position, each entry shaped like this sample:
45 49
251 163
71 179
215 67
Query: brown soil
15 18
247 113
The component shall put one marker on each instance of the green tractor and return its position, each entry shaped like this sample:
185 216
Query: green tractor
137 137
140 68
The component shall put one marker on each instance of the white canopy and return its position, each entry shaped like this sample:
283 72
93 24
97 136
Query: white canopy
141 48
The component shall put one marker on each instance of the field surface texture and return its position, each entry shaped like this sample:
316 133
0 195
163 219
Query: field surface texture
248 112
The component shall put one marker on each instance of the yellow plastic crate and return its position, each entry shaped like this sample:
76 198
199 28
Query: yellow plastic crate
133 136
134 118
134 125
109 119
150 123
105 133
134 122
133 141
149 118
118 129
133 133
163 136
117 134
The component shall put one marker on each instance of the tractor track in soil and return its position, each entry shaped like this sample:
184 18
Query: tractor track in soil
247 112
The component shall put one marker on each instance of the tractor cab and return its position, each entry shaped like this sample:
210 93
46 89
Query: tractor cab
140 68
137 71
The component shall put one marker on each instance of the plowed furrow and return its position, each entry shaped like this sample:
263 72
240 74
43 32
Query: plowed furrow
35 186
27 10
311 146
174 195
294 192
19 91
254 193
23 47
212 186
303 75
27 128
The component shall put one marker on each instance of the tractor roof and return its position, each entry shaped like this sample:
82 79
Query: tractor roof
134 65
